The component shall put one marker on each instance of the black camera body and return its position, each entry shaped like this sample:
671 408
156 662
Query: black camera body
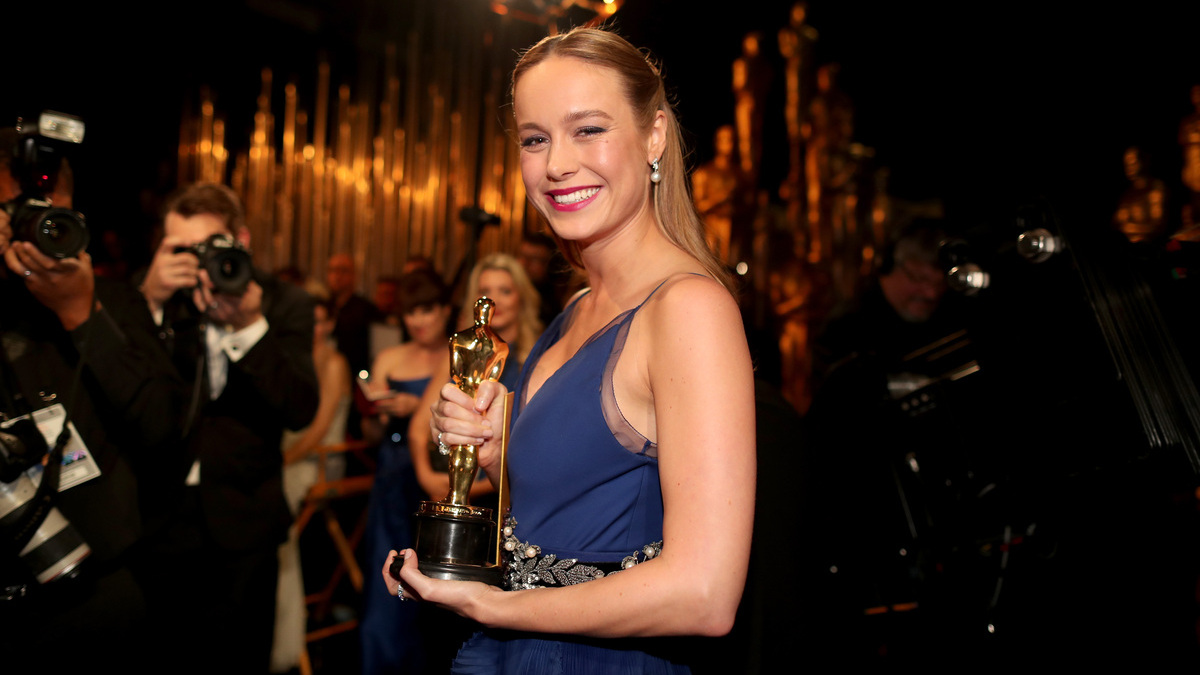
57 232
36 161
225 259
21 447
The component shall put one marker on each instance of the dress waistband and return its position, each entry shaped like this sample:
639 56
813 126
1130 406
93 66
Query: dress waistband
527 567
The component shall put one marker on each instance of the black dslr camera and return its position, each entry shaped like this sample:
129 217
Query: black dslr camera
226 261
36 160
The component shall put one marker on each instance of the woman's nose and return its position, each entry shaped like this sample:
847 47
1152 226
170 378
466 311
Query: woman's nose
561 161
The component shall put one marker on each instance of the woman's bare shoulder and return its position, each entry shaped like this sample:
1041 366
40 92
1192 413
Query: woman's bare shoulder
337 367
691 316
689 298
392 357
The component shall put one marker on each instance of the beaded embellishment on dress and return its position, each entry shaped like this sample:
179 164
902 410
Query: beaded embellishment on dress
528 568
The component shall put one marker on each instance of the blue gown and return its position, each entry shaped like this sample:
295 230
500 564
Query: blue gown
584 485
388 629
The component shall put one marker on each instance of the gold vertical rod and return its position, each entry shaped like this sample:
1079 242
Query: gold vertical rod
304 194
285 224
409 213
319 253
343 154
502 496
363 203
220 154
206 127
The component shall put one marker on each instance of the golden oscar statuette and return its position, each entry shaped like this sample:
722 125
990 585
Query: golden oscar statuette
455 540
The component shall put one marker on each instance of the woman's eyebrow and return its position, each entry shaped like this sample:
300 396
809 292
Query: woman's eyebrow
570 118
584 114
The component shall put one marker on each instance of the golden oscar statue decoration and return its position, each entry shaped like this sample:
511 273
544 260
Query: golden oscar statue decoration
1140 212
719 190
1189 140
455 540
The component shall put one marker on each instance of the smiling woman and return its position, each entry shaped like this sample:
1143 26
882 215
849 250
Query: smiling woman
576 155
635 103
631 449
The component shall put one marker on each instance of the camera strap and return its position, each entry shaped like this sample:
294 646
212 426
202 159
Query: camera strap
199 379
42 502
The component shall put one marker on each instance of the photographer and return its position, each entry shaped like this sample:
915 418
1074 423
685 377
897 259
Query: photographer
244 342
66 362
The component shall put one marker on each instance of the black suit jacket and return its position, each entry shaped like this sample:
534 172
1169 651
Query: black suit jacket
123 406
353 330
237 436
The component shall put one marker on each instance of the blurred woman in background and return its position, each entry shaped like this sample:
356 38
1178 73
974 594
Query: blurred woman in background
400 374
300 472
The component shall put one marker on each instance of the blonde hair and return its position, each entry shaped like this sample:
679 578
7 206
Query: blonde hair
643 86
529 325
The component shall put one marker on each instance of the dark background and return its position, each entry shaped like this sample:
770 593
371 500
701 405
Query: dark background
970 105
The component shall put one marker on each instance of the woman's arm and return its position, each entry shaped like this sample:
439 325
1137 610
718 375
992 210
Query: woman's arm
373 418
335 383
692 355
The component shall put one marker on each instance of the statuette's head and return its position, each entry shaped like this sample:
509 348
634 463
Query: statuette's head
483 311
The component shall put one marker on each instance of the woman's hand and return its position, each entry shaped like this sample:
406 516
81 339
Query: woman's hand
394 585
464 598
458 419
401 405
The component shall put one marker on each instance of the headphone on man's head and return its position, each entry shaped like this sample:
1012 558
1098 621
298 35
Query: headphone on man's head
925 231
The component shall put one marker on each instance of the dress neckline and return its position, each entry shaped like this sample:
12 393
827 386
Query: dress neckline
562 322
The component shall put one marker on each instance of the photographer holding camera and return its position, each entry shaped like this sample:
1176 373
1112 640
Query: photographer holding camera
243 340
83 402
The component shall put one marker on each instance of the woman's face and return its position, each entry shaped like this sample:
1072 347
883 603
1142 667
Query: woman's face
499 286
426 325
584 160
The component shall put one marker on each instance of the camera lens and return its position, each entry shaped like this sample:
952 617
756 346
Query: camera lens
229 267
56 549
61 233
229 270
57 232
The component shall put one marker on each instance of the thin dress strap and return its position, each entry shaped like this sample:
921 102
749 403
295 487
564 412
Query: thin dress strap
630 438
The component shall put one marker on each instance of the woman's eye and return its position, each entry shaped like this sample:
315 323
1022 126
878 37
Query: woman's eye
591 131
533 141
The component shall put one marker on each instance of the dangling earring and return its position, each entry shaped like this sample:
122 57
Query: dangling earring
655 176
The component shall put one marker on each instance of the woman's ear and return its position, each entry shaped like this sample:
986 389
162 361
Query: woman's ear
657 143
